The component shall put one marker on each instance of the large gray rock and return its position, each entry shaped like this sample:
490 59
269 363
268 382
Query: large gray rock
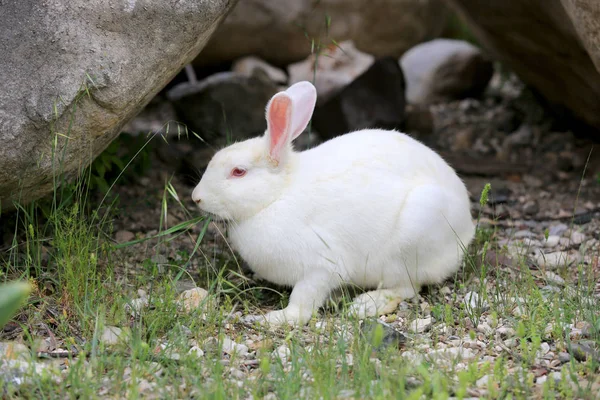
553 45
79 69
281 31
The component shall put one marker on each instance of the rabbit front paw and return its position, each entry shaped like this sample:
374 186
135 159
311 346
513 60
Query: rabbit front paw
289 315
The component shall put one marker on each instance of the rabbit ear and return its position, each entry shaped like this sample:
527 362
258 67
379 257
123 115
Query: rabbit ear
288 113
304 98
279 118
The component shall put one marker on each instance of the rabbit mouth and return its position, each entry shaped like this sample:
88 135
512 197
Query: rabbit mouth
214 217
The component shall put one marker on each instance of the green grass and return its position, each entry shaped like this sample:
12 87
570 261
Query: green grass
63 247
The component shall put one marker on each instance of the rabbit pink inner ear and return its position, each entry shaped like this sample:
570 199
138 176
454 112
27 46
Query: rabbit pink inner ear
279 113
304 98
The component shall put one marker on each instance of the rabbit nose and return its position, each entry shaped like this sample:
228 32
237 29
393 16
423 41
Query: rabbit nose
196 195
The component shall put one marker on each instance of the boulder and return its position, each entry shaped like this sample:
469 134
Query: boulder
553 45
78 71
225 107
374 100
282 32
445 70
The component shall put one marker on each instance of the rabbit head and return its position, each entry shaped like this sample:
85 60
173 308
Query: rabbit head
244 178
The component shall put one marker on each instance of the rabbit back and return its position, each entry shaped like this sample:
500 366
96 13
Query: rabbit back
371 207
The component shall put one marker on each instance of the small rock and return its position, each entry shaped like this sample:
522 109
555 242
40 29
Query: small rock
548 290
452 353
564 357
555 260
505 332
544 349
564 242
231 347
552 241
472 302
485 329
554 278
556 376
445 69
250 66
124 236
445 290
555 363
577 237
511 343
541 379
192 299
531 243
112 335
196 351
524 234
338 66
412 357
531 207
482 382
557 230
237 374
135 306
283 353
421 325
390 337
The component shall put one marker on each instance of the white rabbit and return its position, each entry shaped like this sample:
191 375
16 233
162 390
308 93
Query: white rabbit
373 208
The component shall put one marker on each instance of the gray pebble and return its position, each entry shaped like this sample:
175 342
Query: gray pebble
531 208
564 357
577 237
524 234
391 337
552 241
558 230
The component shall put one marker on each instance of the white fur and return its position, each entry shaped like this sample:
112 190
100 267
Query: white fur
372 208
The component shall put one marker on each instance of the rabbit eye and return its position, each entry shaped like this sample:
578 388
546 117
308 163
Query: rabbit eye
238 172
